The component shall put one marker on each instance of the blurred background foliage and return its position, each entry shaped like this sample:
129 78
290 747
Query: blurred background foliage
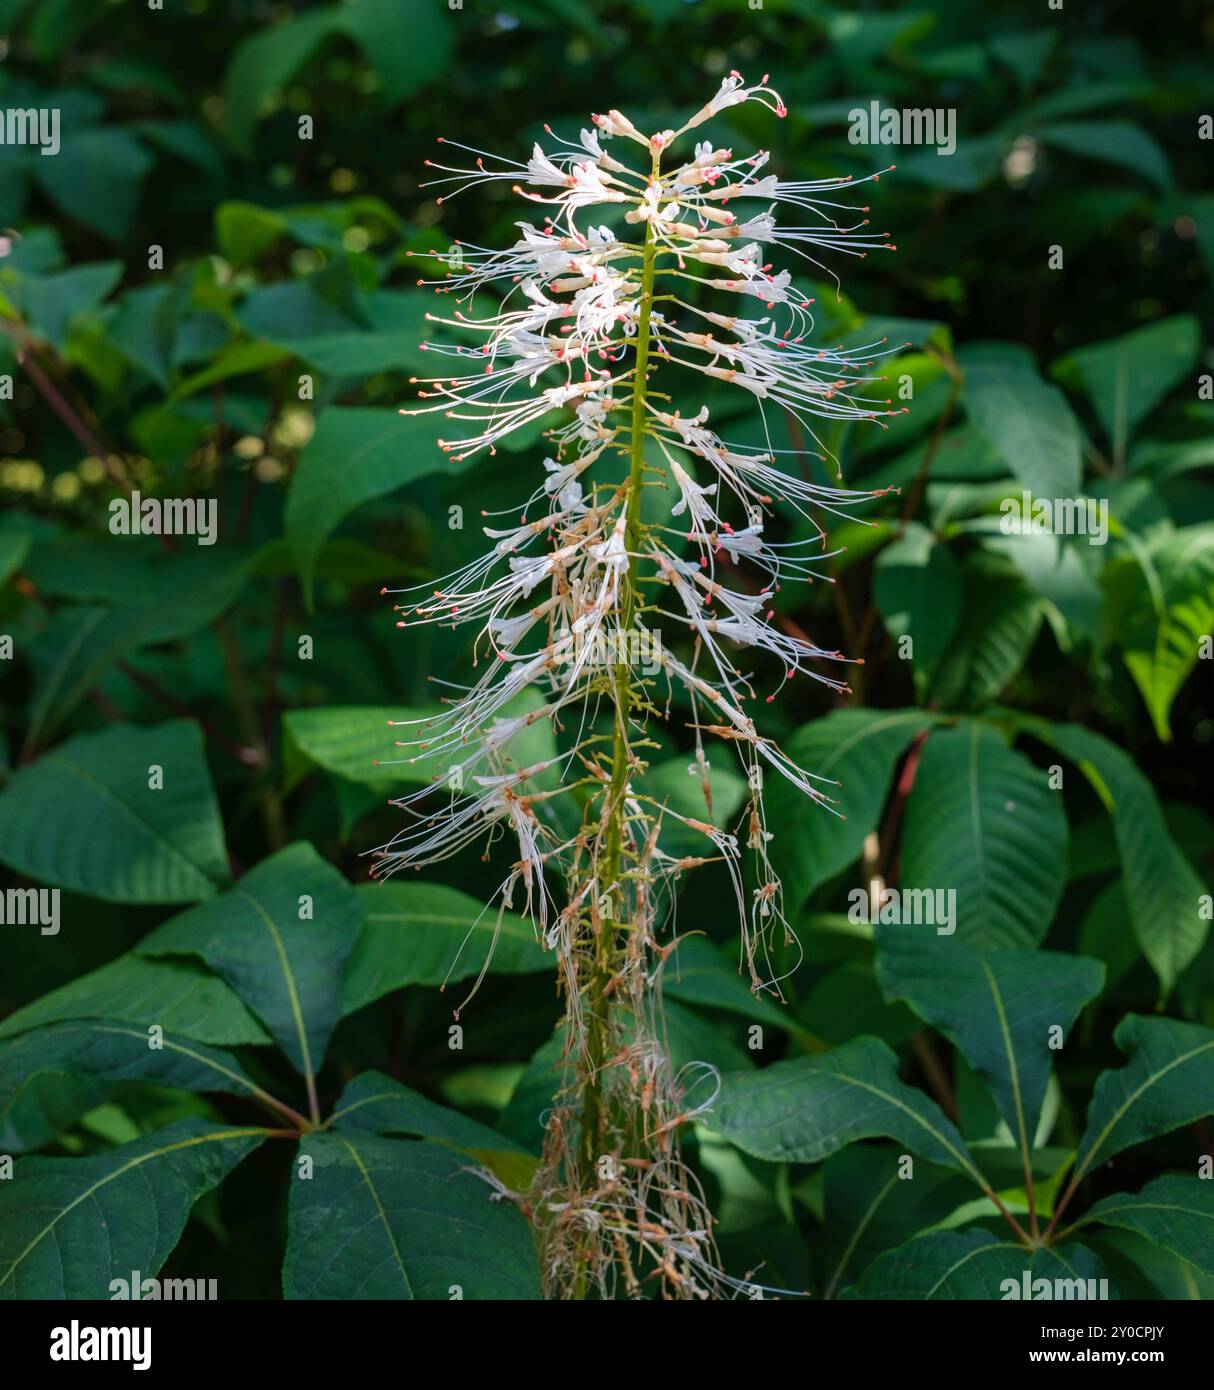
196 301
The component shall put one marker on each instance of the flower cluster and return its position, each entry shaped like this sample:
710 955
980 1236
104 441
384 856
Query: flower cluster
575 313
620 276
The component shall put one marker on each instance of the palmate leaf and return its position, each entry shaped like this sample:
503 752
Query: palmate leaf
107 1050
997 1007
401 1219
1167 1082
971 1265
84 817
1175 1212
284 965
1163 891
182 997
982 820
803 1110
68 1226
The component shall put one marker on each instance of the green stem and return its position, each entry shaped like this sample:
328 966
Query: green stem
605 943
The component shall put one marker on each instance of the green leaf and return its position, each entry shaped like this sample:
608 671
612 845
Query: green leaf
846 1000
869 1206
46 1107
133 576
1116 142
401 1219
145 327
859 748
1163 891
1024 51
1149 1271
698 973
376 1104
356 454
997 1007
280 938
417 933
68 1226
803 1110
238 359
108 1050
1174 1212
53 302
83 817
1000 620
390 337
408 44
1167 1082
971 1265
1126 377
245 231
678 783
355 742
70 656
268 60
184 999
1024 418
982 820
917 587
14 547
1161 607
96 177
